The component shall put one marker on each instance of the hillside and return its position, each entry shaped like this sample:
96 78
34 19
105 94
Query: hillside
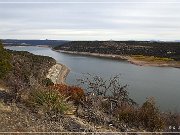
30 102
20 69
146 48
23 87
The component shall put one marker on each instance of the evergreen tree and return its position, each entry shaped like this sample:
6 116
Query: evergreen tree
5 65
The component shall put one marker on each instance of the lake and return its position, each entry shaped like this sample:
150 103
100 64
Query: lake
162 83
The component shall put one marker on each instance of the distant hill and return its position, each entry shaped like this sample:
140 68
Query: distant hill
147 48
14 42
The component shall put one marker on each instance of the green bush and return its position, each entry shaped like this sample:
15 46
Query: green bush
49 100
47 82
5 65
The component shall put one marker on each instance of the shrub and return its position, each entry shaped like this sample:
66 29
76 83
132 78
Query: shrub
147 117
74 93
49 100
150 117
47 82
172 121
5 65
26 66
128 115
4 68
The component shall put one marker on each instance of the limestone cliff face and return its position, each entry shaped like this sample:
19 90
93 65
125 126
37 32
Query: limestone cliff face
57 73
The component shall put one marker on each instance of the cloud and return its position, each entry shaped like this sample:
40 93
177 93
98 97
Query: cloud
91 21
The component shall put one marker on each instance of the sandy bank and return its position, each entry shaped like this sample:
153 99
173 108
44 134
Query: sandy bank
127 58
111 56
58 73
175 64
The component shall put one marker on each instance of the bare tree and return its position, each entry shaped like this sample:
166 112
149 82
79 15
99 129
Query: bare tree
103 97
111 88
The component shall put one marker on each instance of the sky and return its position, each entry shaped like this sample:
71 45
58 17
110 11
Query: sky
90 19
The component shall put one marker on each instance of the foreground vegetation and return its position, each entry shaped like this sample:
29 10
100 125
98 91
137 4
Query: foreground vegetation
31 102
5 65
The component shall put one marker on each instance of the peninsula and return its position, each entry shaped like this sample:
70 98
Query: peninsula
143 53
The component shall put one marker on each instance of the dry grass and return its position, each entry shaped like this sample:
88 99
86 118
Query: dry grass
22 120
49 100
2 86
4 108
151 58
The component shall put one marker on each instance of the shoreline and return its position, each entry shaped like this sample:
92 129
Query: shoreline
58 73
129 59
110 56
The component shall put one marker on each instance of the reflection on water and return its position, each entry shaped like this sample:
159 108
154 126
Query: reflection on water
163 83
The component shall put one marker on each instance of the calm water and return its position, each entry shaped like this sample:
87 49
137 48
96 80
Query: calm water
159 82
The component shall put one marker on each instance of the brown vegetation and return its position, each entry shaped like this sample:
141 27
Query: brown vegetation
25 68
74 93
48 100
116 109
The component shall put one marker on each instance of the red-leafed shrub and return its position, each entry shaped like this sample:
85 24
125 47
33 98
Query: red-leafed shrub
75 93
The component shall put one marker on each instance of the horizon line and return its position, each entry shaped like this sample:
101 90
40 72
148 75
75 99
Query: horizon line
93 2
153 40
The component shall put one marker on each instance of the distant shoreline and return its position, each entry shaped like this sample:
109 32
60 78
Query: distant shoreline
125 58
44 46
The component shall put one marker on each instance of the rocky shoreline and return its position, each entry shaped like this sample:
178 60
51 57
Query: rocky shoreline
111 56
58 73
125 58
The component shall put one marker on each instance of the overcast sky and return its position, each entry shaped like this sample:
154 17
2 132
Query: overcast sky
90 19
